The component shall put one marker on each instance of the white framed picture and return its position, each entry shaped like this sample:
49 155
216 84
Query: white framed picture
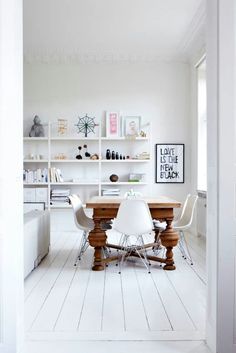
112 124
132 126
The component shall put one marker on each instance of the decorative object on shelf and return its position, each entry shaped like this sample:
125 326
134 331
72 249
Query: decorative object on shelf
131 194
136 177
127 157
132 126
114 178
123 157
94 156
117 155
60 156
87 154
112 124
108 154
142 134
62 125
143 155
170 163
113 155
79 155
37 129
120 156
34 156
86 125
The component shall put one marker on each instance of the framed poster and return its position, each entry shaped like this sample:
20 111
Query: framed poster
169 163
112 124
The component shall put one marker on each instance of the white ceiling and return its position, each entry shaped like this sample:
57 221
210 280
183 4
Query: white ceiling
107 28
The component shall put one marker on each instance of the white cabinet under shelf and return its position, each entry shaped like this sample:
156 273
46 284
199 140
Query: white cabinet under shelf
84 176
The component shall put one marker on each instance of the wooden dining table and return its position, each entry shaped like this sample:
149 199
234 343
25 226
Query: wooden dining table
106 208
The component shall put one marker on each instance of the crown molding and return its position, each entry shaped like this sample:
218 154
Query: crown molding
194 40
62 57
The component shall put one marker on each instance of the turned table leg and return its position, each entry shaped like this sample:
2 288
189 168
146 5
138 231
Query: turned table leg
97 239
169 239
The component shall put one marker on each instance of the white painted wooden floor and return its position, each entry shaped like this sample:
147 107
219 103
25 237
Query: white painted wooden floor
76 307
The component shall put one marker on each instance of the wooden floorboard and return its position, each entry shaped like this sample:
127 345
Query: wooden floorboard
74 302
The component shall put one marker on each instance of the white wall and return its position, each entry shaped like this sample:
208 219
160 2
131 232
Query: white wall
159 92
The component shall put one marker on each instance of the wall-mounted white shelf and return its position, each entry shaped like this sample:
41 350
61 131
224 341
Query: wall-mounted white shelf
74 183
87 169
122 183
60 206
35 160
125 139
38 139
74 138
74 161
125 160
35 184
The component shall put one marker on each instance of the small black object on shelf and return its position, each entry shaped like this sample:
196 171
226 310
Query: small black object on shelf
117 155
79 155
113 155
108 154
120 156
87 154
123 157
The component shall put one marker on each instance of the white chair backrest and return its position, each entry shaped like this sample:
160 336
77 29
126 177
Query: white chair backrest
133 218
81 220
188 212
184 207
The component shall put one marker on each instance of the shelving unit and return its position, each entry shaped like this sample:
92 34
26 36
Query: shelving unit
90 176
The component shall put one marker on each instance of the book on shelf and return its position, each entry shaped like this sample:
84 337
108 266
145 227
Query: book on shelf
35 176
110 192
55 175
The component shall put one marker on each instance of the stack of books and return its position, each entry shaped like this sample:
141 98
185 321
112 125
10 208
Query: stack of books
60 196
110 192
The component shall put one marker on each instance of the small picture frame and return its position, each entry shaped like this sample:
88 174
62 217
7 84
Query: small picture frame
112 124
132 126
170 163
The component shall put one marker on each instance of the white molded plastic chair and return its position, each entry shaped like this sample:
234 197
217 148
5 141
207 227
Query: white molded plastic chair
184 223
85 224
133 221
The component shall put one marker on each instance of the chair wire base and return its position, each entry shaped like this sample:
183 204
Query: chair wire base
129 248
184 249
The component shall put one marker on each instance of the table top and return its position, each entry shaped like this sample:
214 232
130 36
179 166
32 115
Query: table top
114 202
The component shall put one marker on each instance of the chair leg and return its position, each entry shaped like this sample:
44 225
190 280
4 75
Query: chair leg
145 259
184 246
83 247
123 244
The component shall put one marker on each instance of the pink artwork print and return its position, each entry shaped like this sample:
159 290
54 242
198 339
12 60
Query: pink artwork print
113 124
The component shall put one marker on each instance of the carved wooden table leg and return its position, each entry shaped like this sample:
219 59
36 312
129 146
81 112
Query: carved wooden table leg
169 238
97 239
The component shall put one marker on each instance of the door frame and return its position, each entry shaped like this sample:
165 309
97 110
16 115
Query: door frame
221 217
